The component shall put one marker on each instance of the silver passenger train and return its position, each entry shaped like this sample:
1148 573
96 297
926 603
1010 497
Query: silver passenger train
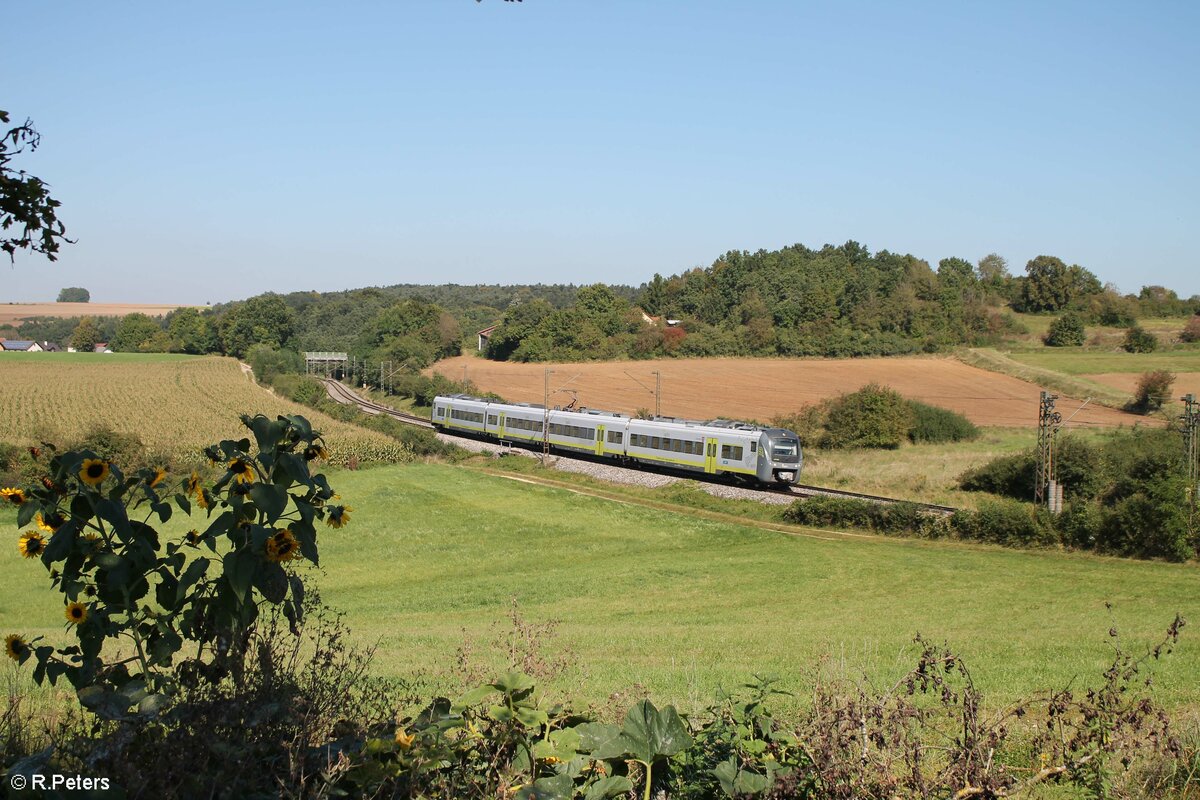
716 447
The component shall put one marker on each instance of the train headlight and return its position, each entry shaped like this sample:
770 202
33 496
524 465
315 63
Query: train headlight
786 477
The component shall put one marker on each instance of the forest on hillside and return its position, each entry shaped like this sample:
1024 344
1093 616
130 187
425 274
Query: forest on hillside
834 301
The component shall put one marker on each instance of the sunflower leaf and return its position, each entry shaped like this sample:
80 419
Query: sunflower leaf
271 500
239 569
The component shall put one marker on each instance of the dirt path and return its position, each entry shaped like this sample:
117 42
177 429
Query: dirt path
762 388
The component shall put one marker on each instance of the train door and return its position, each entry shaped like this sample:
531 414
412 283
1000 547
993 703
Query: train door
710 456
599 440
500 430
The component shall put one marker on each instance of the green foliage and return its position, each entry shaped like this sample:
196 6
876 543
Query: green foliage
86 336
1127 494
1139 340
268 362
1153 391
874 416
934 425
301 388
1066 331
1005 522
26 207
192 331
1050 285
127 591
74 294
1191 331
265 319
134 333
837 301
848 512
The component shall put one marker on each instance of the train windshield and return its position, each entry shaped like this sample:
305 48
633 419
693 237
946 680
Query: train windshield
785 450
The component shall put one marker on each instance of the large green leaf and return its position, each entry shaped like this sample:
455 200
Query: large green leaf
737 782
648 734
558 787
612 786
272 500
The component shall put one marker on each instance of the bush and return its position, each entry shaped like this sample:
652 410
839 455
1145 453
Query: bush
1066 331
1191 331
1139 340
267 362
1009 476
300 388
933 425
1153 391
874 416
1005 522
111 445
848 512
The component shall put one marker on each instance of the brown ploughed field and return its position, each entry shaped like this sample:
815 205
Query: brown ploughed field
761 388
13 313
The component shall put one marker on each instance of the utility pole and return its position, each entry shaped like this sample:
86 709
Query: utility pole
657 393
1048 421
546 419
1191 451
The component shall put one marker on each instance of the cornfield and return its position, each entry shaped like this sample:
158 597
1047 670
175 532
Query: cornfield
175 406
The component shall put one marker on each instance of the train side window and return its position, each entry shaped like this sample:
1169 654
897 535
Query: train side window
754 447
654 442
614 437
493 419
441 411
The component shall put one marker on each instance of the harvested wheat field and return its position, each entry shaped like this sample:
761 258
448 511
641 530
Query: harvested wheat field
13 313
761 388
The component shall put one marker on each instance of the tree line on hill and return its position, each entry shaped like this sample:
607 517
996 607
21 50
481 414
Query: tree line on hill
837 301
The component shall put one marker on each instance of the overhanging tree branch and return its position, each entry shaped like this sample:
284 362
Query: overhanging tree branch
26 207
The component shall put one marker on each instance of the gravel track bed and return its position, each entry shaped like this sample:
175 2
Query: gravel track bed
615 474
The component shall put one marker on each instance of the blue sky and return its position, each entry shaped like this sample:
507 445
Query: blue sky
208 152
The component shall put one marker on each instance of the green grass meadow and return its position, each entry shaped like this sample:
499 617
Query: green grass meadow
682 605
1078 361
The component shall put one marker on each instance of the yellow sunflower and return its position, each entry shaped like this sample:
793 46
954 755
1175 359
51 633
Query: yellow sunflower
49 522
193 483
159 474
338 515
15 646
315 451
14 496
76 613
404 739
94 540
94 471
282 546
31 544
242 471
193 537
203 498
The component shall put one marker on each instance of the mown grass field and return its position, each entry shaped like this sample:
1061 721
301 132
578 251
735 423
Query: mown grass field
174 403
681 605
1080 361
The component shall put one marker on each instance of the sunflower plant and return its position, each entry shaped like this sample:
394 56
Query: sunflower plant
133 600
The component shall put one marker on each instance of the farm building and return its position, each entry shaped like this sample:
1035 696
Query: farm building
484 335
21 346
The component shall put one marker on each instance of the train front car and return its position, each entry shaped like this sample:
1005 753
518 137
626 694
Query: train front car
780 458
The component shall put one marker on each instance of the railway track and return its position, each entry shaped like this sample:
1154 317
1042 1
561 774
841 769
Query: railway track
343 394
